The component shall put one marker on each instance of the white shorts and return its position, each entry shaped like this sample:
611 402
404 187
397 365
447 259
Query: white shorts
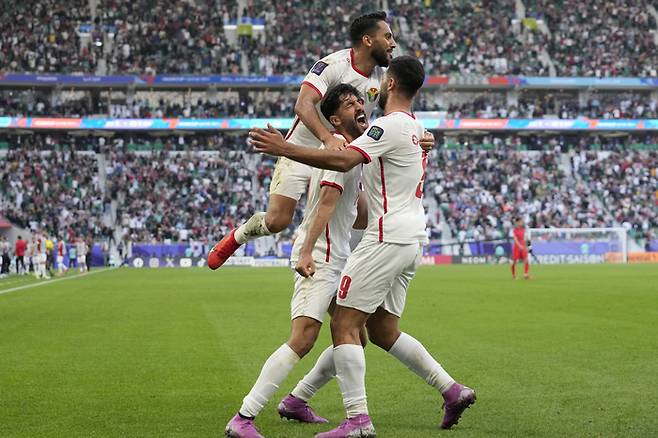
290 178
313 295
60 261
42 258
377 275
81 260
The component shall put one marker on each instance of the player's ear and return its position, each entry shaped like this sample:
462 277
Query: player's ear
366 40
334 120
390 85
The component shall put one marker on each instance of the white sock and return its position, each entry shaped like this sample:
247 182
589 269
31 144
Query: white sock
413 354
321 373
255 227
275 370
350 362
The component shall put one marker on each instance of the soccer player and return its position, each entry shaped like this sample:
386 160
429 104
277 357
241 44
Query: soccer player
61 250
519 248
324 239
373 286
81 247
19 248
39 257
363 67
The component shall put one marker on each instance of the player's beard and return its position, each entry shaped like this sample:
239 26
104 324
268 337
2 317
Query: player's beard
381 57
383 97
352 128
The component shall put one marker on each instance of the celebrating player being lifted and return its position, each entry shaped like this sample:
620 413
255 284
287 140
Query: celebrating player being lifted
361 66
377 274
324 239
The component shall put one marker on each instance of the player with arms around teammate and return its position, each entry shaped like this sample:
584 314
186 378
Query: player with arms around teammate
373 286
363 67
323 241
519 248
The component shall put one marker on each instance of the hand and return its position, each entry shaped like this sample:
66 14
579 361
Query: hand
268 141
305 265
427 142
334 143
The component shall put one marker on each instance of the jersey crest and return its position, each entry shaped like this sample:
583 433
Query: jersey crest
319 67
375 132
372 93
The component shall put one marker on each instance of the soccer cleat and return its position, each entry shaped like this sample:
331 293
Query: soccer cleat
359 426
222 251
240 427
457 399
294 408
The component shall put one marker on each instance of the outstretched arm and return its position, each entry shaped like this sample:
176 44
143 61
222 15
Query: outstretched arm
271 142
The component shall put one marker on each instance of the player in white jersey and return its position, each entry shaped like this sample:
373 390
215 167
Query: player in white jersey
81 250
61 250
323 241
373 286
40 256
362 66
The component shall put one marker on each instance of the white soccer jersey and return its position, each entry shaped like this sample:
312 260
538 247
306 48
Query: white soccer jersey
393 179
332 246
41 246
81 248
334 69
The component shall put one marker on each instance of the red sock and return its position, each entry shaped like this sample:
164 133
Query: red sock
513 269
526 266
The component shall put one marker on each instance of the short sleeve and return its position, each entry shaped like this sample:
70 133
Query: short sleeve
333 179
375 142
322 76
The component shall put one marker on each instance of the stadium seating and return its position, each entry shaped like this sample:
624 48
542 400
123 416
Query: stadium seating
199 187
474 37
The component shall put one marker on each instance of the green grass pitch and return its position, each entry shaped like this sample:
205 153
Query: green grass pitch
172 352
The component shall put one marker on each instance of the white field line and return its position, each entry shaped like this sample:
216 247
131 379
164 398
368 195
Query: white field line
55 280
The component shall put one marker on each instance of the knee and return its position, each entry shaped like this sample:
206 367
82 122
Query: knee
383 339
302 344
277 221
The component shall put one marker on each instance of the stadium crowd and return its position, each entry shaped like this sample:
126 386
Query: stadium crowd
603 38
546 104
483 37
199 187
58 192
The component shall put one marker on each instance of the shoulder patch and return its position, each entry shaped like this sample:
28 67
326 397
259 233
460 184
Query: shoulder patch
375 132
319 67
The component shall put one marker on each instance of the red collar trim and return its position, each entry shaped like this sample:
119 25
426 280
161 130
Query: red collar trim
413 116
354 67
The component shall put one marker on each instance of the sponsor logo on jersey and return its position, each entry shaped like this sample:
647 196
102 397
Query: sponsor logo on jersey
372 93
375 132
319 67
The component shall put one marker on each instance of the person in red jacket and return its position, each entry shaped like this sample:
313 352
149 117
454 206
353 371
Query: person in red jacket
21 245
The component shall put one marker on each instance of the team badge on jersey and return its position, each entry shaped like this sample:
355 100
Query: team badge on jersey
372 93
375 132
319 67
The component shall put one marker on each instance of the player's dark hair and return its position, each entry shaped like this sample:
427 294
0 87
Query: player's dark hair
332 99
409 74
364 25
19 237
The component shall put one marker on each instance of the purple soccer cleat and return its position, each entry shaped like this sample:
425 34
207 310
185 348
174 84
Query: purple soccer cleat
240 427
359 426
294 408
457 398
